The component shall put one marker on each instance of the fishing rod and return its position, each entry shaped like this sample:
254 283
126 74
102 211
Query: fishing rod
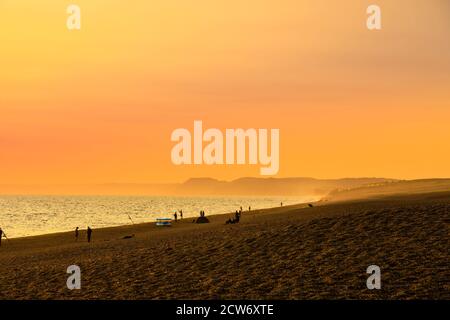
130 219
9 241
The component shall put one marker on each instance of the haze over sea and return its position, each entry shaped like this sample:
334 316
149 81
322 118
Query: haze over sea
34 215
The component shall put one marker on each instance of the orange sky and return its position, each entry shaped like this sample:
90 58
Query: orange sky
99 104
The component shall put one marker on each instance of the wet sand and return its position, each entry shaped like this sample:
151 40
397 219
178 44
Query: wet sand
294 252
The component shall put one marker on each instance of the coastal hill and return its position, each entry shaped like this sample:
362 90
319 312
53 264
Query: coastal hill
402 187
207 187
275 186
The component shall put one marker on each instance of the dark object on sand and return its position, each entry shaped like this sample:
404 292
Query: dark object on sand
128 237
310 205
236 218
163 222
202 220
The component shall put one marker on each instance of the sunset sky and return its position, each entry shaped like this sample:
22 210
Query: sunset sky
99 104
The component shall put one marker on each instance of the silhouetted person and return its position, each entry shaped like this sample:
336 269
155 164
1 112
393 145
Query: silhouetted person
2 234
175 216
76 234
249 208
181 214
281 204
89 234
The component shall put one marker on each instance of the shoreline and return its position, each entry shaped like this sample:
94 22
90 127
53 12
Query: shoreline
325 200
214 217
115 211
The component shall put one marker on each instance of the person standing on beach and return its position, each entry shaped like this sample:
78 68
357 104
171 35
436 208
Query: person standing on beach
175 216
2 234
76 234
181 214
89 234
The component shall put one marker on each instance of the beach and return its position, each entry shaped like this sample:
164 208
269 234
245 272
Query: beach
290 252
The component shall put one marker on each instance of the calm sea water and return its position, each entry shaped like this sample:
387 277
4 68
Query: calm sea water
33 215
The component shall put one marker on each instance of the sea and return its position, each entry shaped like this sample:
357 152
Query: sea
34 215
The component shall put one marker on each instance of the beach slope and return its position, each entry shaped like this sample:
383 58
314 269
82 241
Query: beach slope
295 252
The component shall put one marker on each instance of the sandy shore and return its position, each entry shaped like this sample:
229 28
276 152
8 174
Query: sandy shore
293 252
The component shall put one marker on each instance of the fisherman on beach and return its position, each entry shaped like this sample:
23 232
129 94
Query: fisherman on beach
76 234
2 234
89 234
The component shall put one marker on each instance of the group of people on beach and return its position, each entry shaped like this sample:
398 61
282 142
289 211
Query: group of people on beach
88 233
234 220
77 234
180 214
237 217
175 215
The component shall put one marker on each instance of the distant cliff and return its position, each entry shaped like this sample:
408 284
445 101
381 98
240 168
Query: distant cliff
274 186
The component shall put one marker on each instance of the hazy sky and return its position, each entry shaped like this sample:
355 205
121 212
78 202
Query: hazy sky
99 104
